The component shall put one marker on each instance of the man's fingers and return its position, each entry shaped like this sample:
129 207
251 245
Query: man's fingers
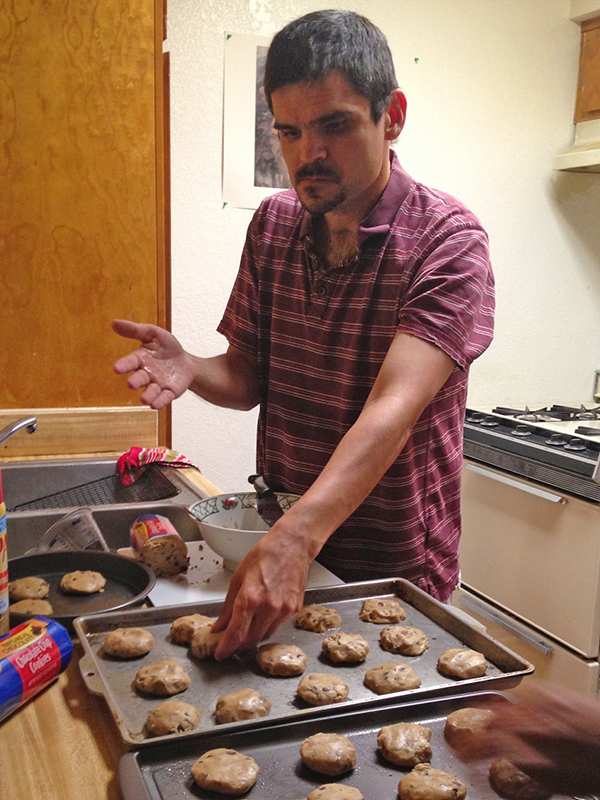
133 330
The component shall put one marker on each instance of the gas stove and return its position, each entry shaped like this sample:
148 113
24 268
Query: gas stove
557 446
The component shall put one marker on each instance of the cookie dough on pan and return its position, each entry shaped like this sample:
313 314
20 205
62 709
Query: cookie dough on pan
396 677
426 783
128 642
318 618
335 791
320 689
345 647
32 607
381 610
204 642
510 782
462 663
405 744
404 640
328 753
163 678
85 581
225 771
172 716
242 704
465 723
281 660
184 628
30 588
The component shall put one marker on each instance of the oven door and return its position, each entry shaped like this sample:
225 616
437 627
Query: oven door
533 552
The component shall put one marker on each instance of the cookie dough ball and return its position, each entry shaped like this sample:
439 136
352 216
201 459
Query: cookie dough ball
28 589
508 781
281 660
172 716
83 582
404 640
32 607
128 642
320 689
328 753
345 647
405 744
225 771
183 628
204 642
386 678
459 663
465 723
243 704
335 791
381 610
425 783
163 678
318 618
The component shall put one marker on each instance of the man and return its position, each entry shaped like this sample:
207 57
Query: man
361 300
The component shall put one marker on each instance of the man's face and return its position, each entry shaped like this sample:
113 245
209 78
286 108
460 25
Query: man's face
336 156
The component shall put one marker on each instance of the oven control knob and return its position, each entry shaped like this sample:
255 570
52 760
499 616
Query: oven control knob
489 422
521 430
476 416
556 440
575 444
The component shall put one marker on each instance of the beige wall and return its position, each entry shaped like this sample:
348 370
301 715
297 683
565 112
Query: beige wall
490 101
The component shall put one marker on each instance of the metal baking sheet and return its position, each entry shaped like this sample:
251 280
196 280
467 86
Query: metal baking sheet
163 772
113 678
128 582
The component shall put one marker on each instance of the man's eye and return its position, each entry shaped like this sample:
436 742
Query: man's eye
288 134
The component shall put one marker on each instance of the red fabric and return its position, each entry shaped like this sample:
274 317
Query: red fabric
132 464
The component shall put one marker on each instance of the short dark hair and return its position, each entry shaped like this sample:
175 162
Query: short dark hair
316 44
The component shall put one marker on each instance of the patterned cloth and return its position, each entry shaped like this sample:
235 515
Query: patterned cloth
320 335
132 465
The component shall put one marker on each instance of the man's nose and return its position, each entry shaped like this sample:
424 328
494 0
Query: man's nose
313 148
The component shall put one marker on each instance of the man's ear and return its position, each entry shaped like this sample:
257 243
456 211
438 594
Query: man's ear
395 115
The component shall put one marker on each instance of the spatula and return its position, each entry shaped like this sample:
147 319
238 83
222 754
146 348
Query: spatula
266 501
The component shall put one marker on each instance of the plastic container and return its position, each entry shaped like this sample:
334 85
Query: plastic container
3 567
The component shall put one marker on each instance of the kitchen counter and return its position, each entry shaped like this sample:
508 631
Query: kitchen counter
63 744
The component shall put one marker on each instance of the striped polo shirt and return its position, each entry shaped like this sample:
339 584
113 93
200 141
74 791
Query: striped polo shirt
320 334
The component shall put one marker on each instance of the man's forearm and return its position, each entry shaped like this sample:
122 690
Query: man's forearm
228 380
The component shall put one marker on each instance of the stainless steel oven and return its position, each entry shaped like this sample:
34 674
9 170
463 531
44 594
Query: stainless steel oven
530 548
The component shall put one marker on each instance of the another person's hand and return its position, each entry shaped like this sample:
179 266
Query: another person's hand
160 365
266 590
551 733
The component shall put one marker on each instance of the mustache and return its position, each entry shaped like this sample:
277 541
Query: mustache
316 170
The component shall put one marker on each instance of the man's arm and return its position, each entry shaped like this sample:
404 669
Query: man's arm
268 587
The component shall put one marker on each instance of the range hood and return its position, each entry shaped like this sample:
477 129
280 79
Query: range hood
584 154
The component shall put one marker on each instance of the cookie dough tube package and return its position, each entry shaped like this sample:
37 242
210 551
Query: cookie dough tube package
32 655
155 542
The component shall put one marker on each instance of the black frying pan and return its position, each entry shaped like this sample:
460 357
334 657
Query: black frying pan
128 582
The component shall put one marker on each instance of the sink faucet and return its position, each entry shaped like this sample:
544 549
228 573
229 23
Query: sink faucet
25 422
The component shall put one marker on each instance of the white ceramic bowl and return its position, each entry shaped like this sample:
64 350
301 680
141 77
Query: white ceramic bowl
230 523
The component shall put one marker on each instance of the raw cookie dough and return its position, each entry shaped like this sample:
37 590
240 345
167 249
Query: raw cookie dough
281 659
405 744
163 678
225 771
462 663
184 628
319 689
404 640
28 589
32 607
335 791
83 582
465 723
345 647
508 781
204 642
396 677
172 716
318 618
425 783
128 642
328 753
381 610
243 704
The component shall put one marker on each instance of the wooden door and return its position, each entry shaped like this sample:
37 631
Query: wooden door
587 106
82 216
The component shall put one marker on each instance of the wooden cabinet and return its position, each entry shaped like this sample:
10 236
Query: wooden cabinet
587 106
83 216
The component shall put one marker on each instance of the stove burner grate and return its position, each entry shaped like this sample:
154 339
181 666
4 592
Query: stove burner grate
551 413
